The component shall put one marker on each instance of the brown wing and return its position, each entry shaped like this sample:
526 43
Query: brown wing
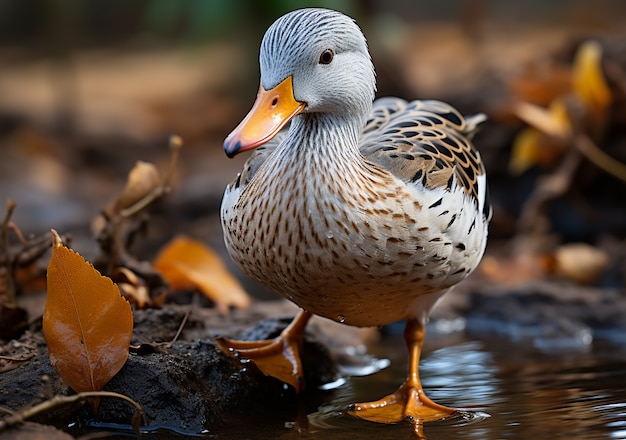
424 141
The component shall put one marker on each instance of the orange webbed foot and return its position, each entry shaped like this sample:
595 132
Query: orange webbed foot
278 357
408 403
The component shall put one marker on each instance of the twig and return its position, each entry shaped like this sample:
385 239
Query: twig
11 365
120 224
10 289
7 410
532 218
591 151
150 347
176 143
180 329
14 359
164 188
540 118
30 250
21 416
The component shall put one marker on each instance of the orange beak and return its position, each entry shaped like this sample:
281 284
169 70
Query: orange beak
270 112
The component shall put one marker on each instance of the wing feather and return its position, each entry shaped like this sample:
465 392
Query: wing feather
425 142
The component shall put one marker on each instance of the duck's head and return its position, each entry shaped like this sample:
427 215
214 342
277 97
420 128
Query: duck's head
312 61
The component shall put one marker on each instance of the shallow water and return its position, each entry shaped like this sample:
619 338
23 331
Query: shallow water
527 394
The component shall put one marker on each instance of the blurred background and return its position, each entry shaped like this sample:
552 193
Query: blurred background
87 88
90 87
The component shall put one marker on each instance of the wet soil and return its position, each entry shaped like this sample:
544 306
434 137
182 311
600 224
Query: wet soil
188 386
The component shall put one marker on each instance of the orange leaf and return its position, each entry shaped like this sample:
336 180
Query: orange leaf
86 323
186 263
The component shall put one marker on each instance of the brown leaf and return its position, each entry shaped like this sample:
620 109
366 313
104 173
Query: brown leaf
142 180
522 268
8 363
580 262
185 263
86 323
134 288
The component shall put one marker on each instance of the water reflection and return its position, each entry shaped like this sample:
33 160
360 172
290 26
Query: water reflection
463 372
526 392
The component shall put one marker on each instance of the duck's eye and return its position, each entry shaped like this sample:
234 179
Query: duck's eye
327 56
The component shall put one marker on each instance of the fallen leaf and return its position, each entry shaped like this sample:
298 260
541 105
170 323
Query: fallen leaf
588 78
186 263
543 143
87 324
134 288
580 262
520 269
8 363
547 138
142 180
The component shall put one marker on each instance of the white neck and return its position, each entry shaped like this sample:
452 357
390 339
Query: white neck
321 137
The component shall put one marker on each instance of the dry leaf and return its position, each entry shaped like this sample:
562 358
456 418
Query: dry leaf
86 323
185 263
142 180
580 262
134 288
522 268
589 82
8 363
543 143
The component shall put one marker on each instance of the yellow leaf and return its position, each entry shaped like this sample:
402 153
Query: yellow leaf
524 151
541 144
186 263
588 79
86 323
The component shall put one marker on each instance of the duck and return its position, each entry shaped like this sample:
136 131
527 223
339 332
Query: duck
364 211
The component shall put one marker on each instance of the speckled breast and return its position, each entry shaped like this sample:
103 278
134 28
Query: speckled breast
362 266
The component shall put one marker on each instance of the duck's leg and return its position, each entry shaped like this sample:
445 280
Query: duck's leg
409 402
278 357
